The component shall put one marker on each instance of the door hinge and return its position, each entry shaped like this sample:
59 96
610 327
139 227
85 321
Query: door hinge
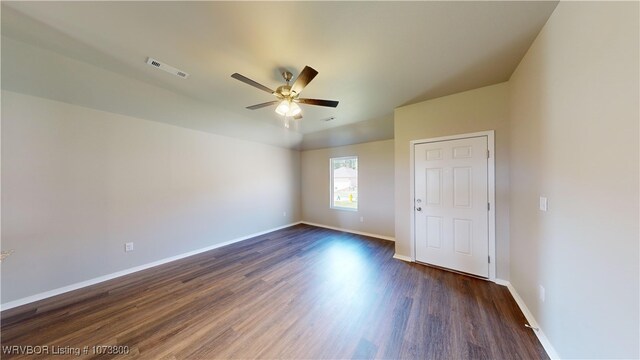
488 154
489 259
488 206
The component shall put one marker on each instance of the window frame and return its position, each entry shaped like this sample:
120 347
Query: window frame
331 187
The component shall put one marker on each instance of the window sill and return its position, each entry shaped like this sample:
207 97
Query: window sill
343 209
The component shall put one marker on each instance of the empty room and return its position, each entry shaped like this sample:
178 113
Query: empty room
320 180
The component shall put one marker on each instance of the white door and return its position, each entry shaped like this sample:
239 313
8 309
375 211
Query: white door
451 204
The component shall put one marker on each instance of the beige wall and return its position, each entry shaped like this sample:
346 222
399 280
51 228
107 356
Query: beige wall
470 111
375 188
78 183
574 139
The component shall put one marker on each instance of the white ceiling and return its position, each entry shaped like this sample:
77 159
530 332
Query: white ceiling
371 56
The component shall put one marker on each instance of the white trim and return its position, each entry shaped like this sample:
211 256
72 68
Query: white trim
551 351
82 284
491 196
491 173
412 197
389 238
402 257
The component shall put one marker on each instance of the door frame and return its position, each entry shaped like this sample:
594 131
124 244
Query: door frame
491 195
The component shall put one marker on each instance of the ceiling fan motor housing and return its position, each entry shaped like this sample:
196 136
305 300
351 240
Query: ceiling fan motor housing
284 92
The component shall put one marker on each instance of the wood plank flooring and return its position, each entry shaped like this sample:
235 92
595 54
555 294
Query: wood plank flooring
302 292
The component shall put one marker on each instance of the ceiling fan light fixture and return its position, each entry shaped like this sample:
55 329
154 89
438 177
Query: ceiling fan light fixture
288 108
283 108
294 109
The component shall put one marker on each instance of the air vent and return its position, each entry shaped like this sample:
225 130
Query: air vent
168 68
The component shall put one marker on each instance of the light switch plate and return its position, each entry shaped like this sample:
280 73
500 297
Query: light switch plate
543 203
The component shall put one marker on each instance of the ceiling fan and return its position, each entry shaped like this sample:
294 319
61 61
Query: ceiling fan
288 95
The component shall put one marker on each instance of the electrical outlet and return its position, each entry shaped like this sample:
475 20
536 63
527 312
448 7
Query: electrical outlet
361 219
541 293
128 247
544 204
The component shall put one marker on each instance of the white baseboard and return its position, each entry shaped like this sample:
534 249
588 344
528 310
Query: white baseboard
390 238
79 285
402 257
532 321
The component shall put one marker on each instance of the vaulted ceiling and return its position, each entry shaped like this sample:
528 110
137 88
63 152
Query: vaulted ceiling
371 56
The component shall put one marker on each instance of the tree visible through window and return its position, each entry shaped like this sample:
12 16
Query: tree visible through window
344 183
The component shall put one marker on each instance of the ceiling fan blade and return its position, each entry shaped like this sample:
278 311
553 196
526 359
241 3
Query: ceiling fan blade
248 81
303 79
259 106
328 103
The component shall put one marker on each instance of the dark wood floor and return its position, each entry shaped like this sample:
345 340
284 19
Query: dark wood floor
301 292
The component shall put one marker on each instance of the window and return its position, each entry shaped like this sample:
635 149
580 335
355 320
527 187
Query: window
344 183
